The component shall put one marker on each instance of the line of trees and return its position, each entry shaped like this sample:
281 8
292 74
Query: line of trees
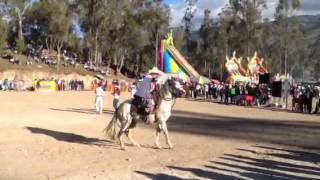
125 33
241 27
118 32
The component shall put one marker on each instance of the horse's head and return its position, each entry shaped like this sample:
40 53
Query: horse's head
174 88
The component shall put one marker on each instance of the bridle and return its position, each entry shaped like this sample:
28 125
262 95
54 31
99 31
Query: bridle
172 98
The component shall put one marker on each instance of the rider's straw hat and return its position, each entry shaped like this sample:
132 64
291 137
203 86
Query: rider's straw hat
155 71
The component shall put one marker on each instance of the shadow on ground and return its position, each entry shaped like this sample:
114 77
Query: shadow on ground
284 132
69 137
258 162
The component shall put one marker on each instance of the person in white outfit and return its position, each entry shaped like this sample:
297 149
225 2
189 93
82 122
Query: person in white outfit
100 93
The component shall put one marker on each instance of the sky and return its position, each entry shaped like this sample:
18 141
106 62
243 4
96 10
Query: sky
177 8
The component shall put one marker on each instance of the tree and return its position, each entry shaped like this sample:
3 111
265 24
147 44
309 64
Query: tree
225 37
3 36
124 32
153 19
286 28
188 26
247 15
208 41
18 8
59 25
52 21
315 59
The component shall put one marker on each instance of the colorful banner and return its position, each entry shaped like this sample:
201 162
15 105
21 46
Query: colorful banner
170 66
47 86
172 62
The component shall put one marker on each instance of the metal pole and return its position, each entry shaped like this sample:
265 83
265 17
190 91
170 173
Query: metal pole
157 50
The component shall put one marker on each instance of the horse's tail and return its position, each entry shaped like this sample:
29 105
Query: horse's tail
110 130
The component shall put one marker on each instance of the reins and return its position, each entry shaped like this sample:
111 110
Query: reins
173 99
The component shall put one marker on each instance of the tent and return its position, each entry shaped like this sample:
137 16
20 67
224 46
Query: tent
203 80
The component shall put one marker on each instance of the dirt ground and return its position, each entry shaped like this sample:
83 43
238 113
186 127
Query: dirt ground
59 136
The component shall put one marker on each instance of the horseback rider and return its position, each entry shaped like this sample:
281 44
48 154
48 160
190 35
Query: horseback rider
144 96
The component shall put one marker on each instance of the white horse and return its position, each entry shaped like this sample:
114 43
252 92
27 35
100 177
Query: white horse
124 120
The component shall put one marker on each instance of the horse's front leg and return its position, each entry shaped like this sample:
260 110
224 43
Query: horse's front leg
166 133
158 131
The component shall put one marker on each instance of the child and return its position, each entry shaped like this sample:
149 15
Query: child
116 97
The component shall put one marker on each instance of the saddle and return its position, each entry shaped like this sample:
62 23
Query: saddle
143 108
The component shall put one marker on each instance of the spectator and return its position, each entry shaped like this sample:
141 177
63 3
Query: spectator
116 97
100 93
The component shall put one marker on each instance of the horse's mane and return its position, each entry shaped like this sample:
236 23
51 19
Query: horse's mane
163 79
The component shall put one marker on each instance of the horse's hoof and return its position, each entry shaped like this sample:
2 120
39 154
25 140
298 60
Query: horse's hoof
170 146
123 148
136 145
158 147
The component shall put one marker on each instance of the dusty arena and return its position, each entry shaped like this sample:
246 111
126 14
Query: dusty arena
59 136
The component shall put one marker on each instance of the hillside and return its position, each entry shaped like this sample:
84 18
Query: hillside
28 73
310 25
5 65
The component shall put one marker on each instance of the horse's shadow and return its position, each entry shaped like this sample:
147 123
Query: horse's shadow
70 137
76 138
83 110
147 146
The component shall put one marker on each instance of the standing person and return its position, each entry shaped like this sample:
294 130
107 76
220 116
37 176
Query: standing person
226 94
232 94
206 91
257 95
100 93
197 91
309 96
191 90
318 104
116 97
221 91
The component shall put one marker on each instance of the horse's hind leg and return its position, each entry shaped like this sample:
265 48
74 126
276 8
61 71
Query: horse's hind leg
134 143
120 139
124 128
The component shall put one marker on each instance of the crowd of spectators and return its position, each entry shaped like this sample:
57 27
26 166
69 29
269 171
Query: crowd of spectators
260 95
303 97
63 85
237 94
12 85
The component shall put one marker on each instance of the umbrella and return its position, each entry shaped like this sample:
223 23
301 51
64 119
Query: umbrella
215 81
